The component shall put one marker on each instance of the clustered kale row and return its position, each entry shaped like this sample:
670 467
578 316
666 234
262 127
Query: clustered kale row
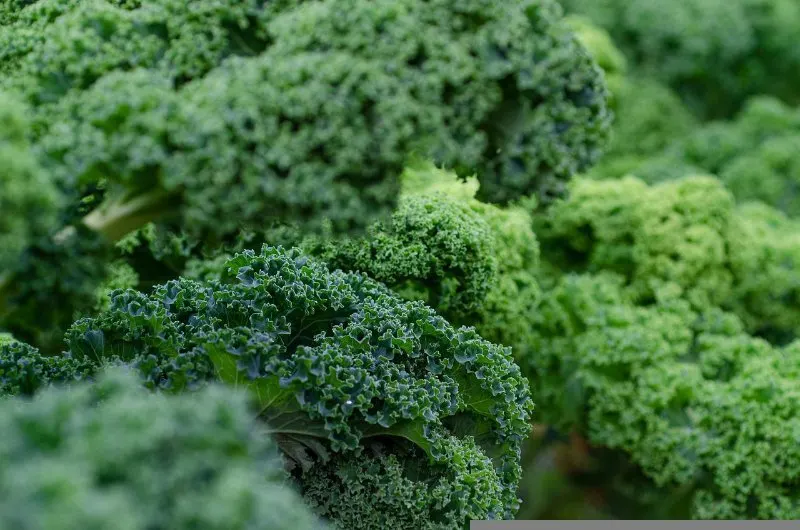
192 90
638 286
212 117
144 137
429 262
111 455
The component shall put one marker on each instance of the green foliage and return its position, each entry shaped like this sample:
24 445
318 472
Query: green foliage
416 156
432 249
667 335
473 262
10 10
508 305
522 126
23 370
717 144
755 155
714 53
667 240
681 239
28 199
400 491
120 276
513 300
765 255
205 120
648 115
201 142
110 455
182 40
599 44
337 358
648 118
769 173
422 100
688 396
57 282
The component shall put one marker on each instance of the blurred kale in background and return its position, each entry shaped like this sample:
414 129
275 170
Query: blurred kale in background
463 260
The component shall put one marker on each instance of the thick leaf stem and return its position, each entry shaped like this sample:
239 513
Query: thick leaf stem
119 218
113 220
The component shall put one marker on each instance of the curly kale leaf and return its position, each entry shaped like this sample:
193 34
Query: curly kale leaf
689 397
23 370
682 239
523 125
330 355
432 249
